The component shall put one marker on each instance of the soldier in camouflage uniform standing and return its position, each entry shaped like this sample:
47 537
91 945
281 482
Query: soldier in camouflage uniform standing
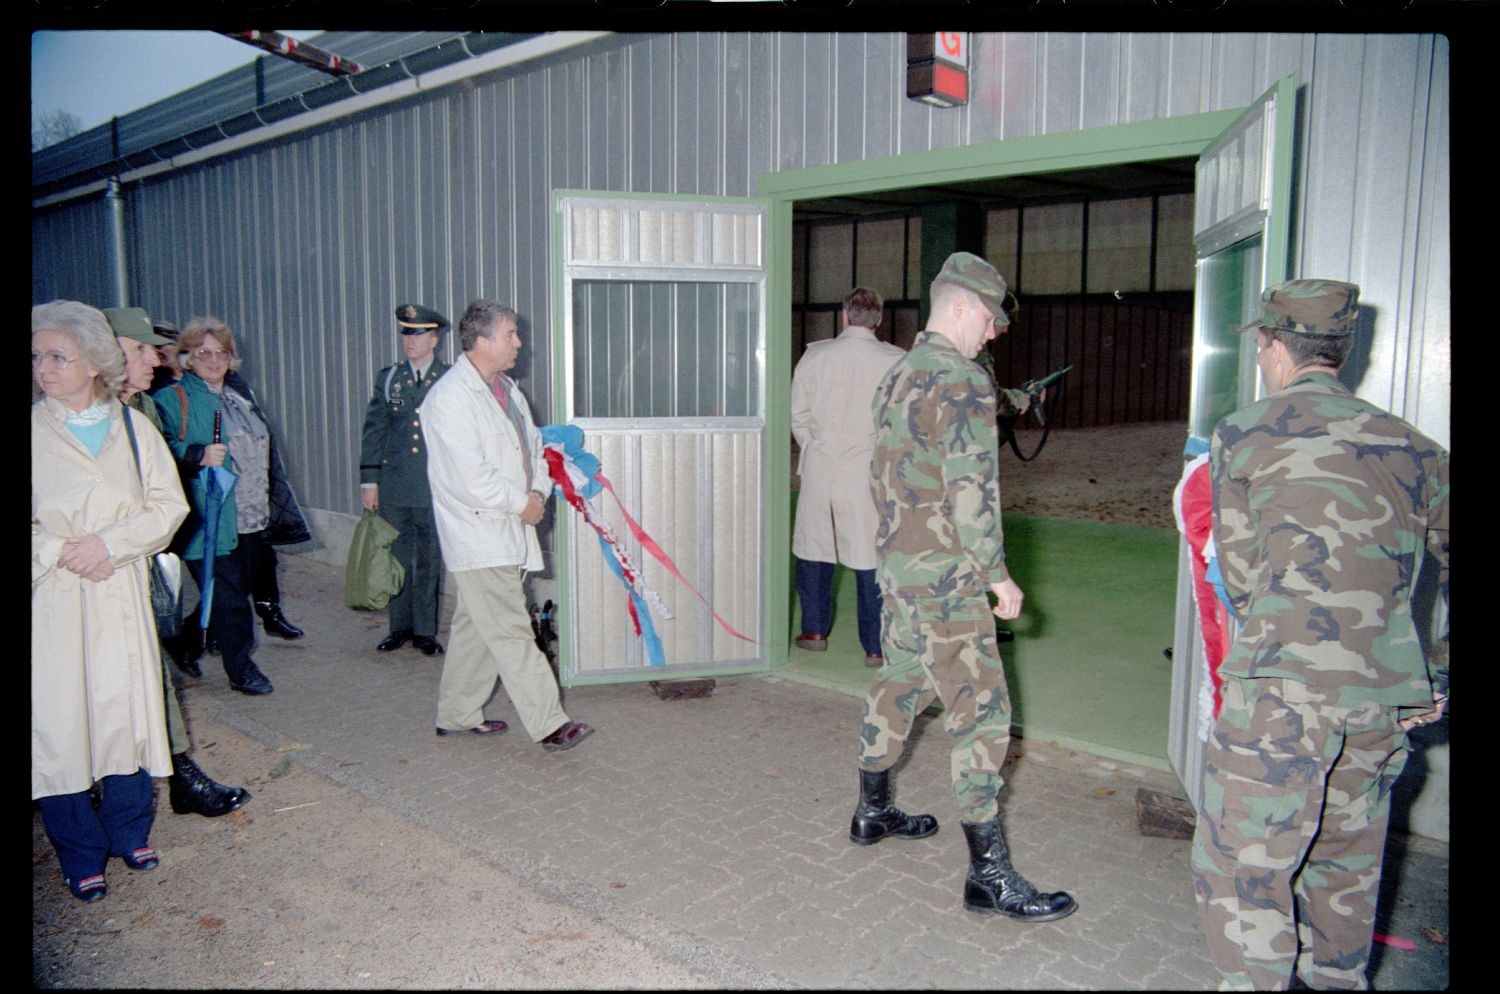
940 553
1323 507
393 477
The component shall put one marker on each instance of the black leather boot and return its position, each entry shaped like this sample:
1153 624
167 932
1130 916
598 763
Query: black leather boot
249 679
995 888
194 792
275 622
876 817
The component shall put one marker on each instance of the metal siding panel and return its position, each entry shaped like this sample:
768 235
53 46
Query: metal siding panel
884 84
708 132
1382 226
606 122
652 139
1428 394
688 94
818 100
791 116
1185 83
66 261
848 97
1234 75
1331 132
1144 76
1101 90
760 145
526 284
1060 72
1020 84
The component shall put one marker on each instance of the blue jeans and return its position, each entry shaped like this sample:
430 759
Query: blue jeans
815 591
85 838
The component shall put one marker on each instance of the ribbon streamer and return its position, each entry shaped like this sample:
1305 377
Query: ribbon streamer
577 475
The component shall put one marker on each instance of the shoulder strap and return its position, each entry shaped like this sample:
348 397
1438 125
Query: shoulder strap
182 401
390 374
134 450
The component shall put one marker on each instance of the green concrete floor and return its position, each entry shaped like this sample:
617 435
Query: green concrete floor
1086 668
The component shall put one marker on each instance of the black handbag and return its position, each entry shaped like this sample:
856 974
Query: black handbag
166 601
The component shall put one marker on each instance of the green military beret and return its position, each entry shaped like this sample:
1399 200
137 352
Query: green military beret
133 322
415 319
1309 307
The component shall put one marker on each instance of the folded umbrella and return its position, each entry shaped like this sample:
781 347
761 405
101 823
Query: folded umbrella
217 482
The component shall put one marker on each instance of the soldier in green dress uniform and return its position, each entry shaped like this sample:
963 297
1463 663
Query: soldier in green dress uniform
393 476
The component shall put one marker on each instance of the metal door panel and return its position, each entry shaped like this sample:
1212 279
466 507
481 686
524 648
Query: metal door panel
661 337
1242 236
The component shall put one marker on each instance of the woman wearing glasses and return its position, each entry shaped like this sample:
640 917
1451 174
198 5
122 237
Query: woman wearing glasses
100 506
257 511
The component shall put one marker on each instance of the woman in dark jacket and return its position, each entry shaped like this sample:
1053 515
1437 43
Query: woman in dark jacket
259 512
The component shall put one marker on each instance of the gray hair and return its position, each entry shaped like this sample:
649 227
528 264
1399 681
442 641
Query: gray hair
87 328
864 307
480 320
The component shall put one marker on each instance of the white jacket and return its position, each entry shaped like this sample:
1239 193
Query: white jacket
478 475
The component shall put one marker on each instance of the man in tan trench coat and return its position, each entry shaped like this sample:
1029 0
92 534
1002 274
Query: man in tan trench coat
832 391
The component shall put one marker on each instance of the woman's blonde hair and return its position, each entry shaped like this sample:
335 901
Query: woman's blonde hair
192 336
88 329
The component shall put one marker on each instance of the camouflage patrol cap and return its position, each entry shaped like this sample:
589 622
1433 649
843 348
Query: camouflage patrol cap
132 322
415 319
1326 308
969 271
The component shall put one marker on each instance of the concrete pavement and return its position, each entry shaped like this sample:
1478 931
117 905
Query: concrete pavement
715 829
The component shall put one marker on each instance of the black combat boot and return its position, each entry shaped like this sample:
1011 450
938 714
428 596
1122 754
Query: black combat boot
876 817
275 622
194 792
995 888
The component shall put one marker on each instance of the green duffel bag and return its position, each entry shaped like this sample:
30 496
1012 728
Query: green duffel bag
373 576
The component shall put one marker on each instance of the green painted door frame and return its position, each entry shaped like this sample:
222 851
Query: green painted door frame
1147 141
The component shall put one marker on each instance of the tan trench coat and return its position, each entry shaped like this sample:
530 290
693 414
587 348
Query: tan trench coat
97 707
832 392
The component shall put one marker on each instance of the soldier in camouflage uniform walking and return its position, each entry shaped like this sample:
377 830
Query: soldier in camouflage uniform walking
1324 505
940 552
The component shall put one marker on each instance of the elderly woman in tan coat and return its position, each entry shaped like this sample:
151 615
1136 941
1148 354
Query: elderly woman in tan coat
98 512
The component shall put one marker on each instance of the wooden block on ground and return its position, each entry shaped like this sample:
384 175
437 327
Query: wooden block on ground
672 690
1163 816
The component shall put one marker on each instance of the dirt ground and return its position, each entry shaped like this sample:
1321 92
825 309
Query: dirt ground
1118 474
1122 474
371 905
371 902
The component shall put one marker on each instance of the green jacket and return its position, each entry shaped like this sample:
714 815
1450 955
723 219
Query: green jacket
287 525
392 451
936 475
1324 506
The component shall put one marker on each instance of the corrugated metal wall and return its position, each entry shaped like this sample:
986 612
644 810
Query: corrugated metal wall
305 247
69 254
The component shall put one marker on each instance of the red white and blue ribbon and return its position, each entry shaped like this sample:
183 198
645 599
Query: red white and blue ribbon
576 474
1192 504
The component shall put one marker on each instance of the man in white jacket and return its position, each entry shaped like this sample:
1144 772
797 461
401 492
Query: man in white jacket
489 490
832 392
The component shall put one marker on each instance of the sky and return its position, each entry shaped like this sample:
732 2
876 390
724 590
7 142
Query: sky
96 75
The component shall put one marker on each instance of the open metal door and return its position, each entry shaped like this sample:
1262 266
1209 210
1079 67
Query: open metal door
659 335
1242 230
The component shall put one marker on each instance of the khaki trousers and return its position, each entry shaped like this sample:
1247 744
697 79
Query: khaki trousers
491 638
